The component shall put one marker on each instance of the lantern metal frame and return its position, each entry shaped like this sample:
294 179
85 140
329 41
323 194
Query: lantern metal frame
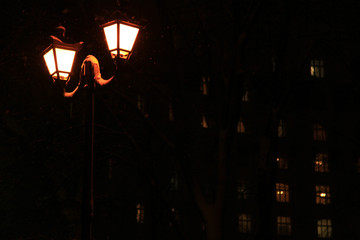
118 50
58 44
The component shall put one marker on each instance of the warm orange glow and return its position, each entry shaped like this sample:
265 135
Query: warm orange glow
50 61
127 36
111 36
322 194
140 213
59 58
120 38
203 122
319 163
65 59
282 192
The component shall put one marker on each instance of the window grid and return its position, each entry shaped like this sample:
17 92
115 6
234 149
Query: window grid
317 68
140 213
244 223
324 228
322 194
282 192
319 133
283 225
321 162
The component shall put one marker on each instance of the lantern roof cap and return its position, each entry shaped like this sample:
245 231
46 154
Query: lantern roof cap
58 43
121 22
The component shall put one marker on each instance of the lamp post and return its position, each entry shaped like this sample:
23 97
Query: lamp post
59 58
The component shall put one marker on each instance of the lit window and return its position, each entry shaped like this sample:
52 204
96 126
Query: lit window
319 132
281 129
171 112
204 122
321 162
240 126
245 97
283 225
204 87
242 191
324 228
282 162
317 68
244 223
282 192
322 195
139 213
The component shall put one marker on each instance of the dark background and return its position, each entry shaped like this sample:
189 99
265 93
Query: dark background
42 134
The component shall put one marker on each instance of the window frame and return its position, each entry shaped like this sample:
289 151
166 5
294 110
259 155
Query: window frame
244 223
322 194
242 190
324 224
317 68
321 162
282 192
240 128
140 213
283 225
319 132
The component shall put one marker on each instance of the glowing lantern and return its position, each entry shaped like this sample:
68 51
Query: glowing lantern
59 58
120 37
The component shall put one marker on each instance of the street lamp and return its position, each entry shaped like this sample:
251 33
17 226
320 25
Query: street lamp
59 58
120 37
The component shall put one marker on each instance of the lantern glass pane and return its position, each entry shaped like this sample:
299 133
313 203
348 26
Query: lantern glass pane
64 76
111 36
113 53
124 54
65 59
50 61
127 36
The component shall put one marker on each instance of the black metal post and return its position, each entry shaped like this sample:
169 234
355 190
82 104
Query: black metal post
88 194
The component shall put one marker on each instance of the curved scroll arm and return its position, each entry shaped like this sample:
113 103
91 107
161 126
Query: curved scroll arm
70 94
96 70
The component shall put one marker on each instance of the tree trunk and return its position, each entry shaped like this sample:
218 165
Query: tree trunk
213 226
